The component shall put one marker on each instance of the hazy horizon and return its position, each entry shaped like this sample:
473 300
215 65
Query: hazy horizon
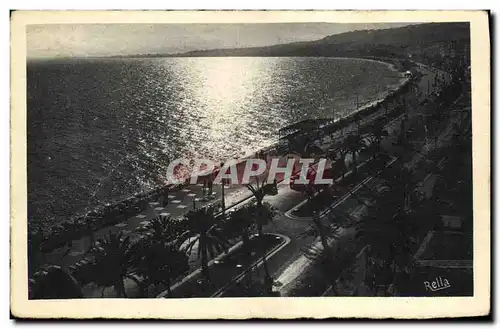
103 40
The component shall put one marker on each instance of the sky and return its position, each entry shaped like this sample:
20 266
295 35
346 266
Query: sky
81 40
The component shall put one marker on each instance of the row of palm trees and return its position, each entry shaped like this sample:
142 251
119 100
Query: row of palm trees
368 140
332 262
396 212
388 229
384 227
161 255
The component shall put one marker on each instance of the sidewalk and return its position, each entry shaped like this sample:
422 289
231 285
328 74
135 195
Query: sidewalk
178 204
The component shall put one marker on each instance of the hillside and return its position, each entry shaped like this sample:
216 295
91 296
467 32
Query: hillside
423 41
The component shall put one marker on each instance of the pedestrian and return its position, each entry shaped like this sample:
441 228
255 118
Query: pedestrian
204 189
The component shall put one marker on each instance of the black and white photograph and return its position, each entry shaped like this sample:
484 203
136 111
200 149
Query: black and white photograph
272 159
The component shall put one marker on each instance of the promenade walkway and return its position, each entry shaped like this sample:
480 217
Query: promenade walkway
179 202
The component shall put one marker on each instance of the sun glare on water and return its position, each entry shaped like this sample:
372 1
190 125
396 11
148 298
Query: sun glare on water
223 87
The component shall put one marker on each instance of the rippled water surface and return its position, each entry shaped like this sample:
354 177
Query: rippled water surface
100 130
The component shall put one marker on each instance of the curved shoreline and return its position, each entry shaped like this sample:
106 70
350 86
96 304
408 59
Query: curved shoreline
102 216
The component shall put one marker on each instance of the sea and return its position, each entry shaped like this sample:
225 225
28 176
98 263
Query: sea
102 129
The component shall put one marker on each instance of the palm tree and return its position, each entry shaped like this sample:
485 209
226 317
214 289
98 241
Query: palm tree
323 234
338 153
377 231
260 191
239 224
112 263
157 257
263 214
386 109
166 229
389 232
332 262
401 181
53 282
354 144
202 227
90 232
36 240
391 223
159 262
377 132
402 129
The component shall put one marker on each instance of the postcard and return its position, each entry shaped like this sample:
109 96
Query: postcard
250 164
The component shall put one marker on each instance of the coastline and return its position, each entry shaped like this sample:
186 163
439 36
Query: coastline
79 224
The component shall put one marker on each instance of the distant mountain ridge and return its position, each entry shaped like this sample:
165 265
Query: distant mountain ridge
413 39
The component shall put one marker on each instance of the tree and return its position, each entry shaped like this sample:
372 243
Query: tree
166 229
376 230
36 241
354 144
263 214
402 130
53 282
112 263
157 257
338 154
239 225
389 235
202 227
374 137
323 234
401 182
260 191
159 262
390 225
336 251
